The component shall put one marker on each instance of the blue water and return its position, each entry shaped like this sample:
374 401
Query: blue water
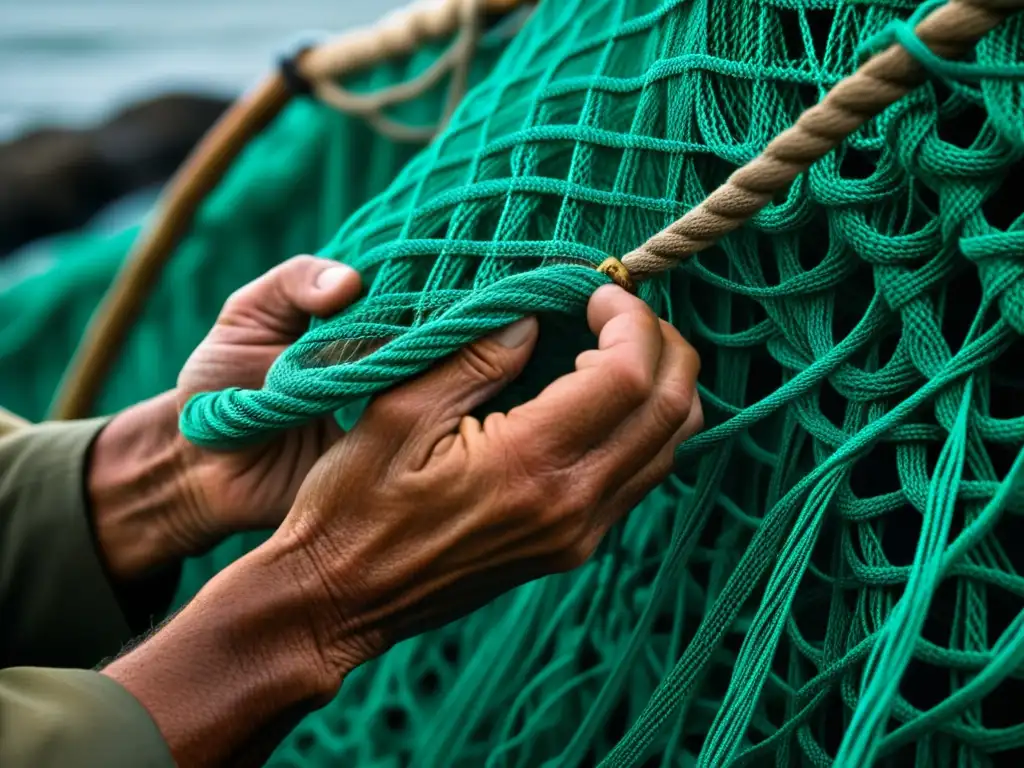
72 61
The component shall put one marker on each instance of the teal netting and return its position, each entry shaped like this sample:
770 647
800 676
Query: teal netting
831 576
865 432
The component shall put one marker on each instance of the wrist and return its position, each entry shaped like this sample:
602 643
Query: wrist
344 631
137 490
235 668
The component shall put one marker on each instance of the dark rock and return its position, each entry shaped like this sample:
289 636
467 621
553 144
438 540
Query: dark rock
53 180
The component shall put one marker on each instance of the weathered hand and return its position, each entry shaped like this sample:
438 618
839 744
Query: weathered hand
417 516
255 487
422 513
155 497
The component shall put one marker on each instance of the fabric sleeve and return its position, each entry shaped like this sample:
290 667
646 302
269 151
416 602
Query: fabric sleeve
69 718
57 606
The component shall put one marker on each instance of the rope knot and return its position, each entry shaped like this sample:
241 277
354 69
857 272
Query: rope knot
288 66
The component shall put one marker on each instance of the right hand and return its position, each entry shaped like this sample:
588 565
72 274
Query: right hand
421 513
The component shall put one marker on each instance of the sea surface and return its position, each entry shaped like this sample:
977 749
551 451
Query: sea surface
70 62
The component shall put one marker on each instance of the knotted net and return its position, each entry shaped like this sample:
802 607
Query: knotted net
830 577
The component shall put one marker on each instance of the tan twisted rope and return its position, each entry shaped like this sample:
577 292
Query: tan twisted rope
399 35
950 32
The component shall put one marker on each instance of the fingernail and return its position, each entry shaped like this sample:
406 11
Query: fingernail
330 278
514 335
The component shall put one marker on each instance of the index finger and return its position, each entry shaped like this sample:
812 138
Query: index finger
578 411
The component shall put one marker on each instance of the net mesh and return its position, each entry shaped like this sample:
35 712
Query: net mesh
827 577
830 576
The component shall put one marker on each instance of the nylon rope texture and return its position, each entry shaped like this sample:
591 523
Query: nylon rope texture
604 118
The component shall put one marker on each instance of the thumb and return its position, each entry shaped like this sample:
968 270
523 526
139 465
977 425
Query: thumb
432 405
283 299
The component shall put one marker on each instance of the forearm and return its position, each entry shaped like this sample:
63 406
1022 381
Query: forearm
235 665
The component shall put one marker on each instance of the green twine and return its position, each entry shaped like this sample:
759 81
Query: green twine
291 397
829 578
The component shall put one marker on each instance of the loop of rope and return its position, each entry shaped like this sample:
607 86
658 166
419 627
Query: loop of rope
224 419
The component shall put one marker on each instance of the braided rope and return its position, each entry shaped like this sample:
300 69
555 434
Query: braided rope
226 417
950 32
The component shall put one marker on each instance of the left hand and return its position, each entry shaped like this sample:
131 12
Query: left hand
255 487
207 495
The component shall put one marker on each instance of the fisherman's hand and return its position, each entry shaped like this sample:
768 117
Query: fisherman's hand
414 518
422 513
157 498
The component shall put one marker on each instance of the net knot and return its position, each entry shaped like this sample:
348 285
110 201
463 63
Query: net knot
957 75
617 271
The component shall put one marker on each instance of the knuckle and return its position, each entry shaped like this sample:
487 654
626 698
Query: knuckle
674 404
645 320
695 417
632 383
678 394
479 363
298 263
691 357
642 322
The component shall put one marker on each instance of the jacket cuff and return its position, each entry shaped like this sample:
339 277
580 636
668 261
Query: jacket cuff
59 607
59 717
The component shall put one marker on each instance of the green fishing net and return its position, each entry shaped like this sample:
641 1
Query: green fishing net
831 575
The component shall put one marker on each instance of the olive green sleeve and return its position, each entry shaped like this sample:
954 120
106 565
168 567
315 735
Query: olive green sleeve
57 607
70 718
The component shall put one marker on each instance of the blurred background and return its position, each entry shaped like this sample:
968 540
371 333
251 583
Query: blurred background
101 99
